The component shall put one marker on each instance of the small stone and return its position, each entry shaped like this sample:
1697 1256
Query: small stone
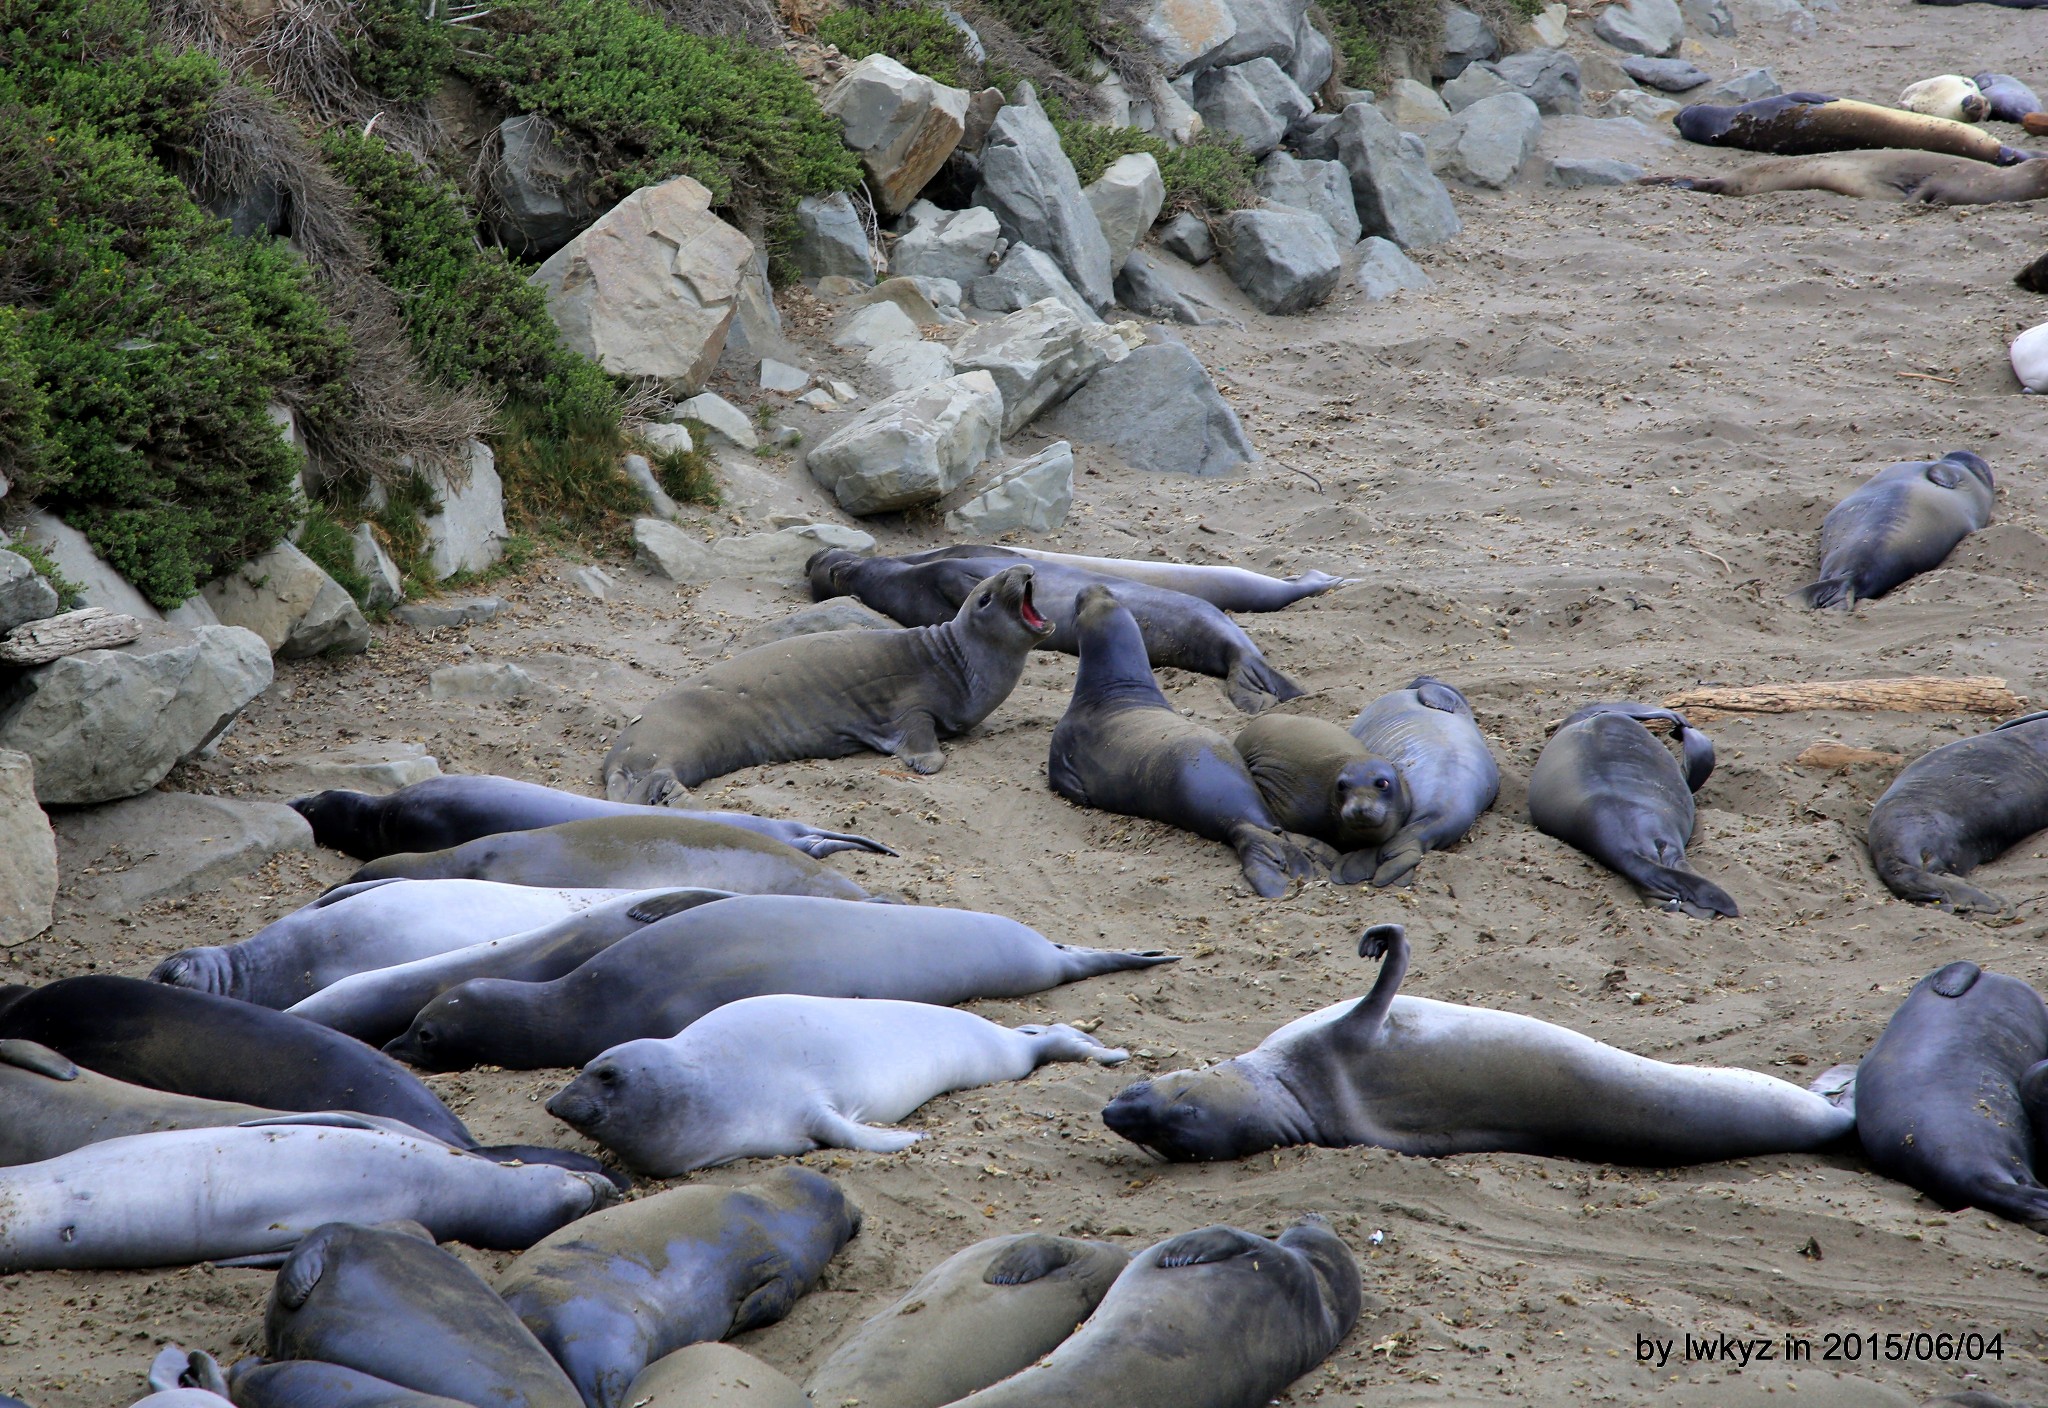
904 366
1710 17
1385 270
876 325
1745 87
942 294
446 615
1285 260
668 439
1187 236
386 585
943 244
593 582
1647 108
1034 495
466 532
1574 172
842 392
1786 16
831 240
1654 28
1665 75
907 293
670 552
818 399
480 681
785 437
637 469
1548 28
358 767
285 597
781 376
722 418
164 844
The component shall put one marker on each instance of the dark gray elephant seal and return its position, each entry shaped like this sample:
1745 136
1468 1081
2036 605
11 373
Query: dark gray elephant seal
1903 520
1942 1099
1607 786
1425 1077
1122 747
1230 588
447 811
1320 781
303 1383
977 1317
1800 124
387 1301
658 981
1219 1318
1428 732
1957 807
49 1105
1181 632
830 695
1927 177
619 1289
2010 99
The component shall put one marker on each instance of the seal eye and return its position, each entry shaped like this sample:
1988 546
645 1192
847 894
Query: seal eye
426 1036
1381 784
986 598
607 1076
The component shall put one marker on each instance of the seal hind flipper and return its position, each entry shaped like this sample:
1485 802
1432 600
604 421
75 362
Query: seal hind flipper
1828 591
1032 1257
34 1056
1684 890
674 902
1925 886
1389 944
1837 1086
1253 684
821 843
1206 1247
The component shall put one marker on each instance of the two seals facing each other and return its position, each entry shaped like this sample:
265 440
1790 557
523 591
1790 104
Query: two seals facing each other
1958 806
1930 178
1903 520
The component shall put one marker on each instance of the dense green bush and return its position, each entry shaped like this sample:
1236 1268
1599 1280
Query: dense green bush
917 35
1364 29
400 51
325 539
1210 176
1066 33
24 410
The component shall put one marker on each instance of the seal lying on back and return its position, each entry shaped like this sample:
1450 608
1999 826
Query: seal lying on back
1123 748
1605 785
1800 124
977 1317
1957 807
835 693
49 1105
1320 781
1230 588
1928 177
2010 99
1425 1077
1428 732
1903 521
1218 1318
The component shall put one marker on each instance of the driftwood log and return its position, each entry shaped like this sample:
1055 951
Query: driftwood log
54 637
1931 694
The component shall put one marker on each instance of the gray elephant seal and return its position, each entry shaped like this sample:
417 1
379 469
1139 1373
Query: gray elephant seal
660 980
1425 1077
1218 1318
829 695
1230 588
1800 124
1927 177
1605 785
304 1383
625 852
713 1376
785 1074
1903 521
1320 781
390 1303
1941 1100
1122 747
447 811
1428 732
49 1105
621 1288
1957 807
2010 99
977 1317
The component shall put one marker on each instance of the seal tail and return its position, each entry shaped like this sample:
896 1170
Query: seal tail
1253 684
1695 894
1093 962
1061 1042
1912 882
1828 591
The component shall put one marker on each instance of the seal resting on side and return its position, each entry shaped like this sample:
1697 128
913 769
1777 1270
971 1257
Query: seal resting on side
1927 177
1230 588
1320 781
1957 807
1799 124
1427 731
49 1105
2030 359
1903 521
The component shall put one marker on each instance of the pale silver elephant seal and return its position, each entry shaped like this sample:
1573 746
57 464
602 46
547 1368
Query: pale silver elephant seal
1957 807
977 1317
1320 781
1903 521
713 1376
1231 588
785 1074
1425 1077
50 1106
1428 732
829 695
1220 1318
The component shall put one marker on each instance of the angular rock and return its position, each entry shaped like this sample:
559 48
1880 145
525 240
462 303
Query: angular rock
640 471
756 330
1037 357
1314 59
541 187
286 598
1187 237
74 558
1230 101
1712 18
1414 105
467 532
721 417
1487 143
28 854
1744 87
358 767
1548 28
1575 172
1184 34
1549 78
669 551
386 585
1156 410
1028 182
24 595
905 366
447 615
50 638
902 124
839 613
875 325
165 844
943 294
1647 108
1144 289
593 582
1026 277
668 439
480 681
1398 195
1320 187
831 240
1034 495
1265 30
1384 270
1665 75
819 399
909 298
1786 16
1167 114
1653 28
782 377
1285 260
948 244
912 448
1126 199
1476 82
1467 40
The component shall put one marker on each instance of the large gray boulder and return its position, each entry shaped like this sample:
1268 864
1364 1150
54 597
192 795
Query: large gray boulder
24 595
1712 18
1654 28
1787 16
466 531
1028 182
1285 260
901 124
386 585
164 844
1254 102
1744 87
376 767
1026 277
1398 195
1314 59
1549 78
1384 270
1476 82
1186 236
683 558
1266 29
1034 495
28 853
839 613
1487 143
1037 356
1322 187
1156 410
285 597
913 448
540 186
1186 34
1143 287
1467 41
831 240
947 244
1126 199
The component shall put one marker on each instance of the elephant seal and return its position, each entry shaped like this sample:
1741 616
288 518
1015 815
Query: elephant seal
2010 99
1958 806
388 1302
1424 1077
977 1317
1948 95
1942 1100
1181 632
1219 1318
305 1383
1428 732
1927 177
447 811
1607 786
49 1105
2030 359
658 981
253 1190
1122 747
2034 279
1801 124
621 1288
713 1376
625 852
1902 521
830 695
1320 781
786 1074
1230 588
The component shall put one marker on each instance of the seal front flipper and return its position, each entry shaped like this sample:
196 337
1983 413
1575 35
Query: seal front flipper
1357 867
34 1056
1397 861
1268 859
674 902
833 1130
1033 1257
917 744
1206 1247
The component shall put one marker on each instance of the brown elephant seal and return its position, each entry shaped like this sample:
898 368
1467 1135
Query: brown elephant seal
977 1317
1928 177
1230 588
1801 124
1320 781
1902 521
1957 807
619 1289
1425 1077
1428 731
1220 1318
306 1383
713 1376
833 694
1122 747
49 1105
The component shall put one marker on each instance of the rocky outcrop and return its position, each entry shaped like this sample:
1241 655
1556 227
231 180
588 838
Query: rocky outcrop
24 595
1255 102
1156 410
1033 496
671 552
1398 195
466 532
1285 260
164 844
1037 357
28 854
1265 30
1028 182
902 124
1319 187
913 448
1126 199
831 240
99 584
1186 34
1487 143
285 597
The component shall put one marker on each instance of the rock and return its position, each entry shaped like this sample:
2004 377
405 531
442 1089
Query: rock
981 113
1026 277
955 244
1034 495
1233 101
780 376
641 473
1265 30
722 418
50 638
668 439
286 598
165 844
756 330
24 595
1415 105
468 533
1710 17
1745 87
1028 182
74 559
905 292
902 124
1398 195
669 551
1126 199
1786 16
944 295
1575 172
357 767
480 681
1320 187
1665 75
1654 28
1166 114
447 615
28 854
903 366
541 188
1285 260
819 399
386 585
842 392
1144 289
831 240
1647 108
1475 82
1157 410
1037 357
1467 40
1183 34
1598 69
839 613
111 723
652 288
1187 236
1486 144
1314 60
1548 28
912 448
876 325
593 582
1549 78
1385 270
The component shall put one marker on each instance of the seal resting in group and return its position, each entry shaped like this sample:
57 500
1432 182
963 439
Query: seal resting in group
1320 781
2010 99
1800 124
1229 588
307 1383
1425 1077
1958 806
1428 732
1928 177
1948 95
713 1375
50 1105
835 693
1902 521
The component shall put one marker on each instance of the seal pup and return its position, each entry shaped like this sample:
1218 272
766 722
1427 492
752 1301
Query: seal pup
658 981
1428 732
1122 747
977 1317
2030 359
1928 177
1948 95
305 1383
1958 806
786 1074
1801 124
713 1376
1230 588
1220 1318
1942 1099
1424 1077
50 1105
1320 781
2010 99
446 811
833 694
1605 785
388 1302
1902 521
621 1288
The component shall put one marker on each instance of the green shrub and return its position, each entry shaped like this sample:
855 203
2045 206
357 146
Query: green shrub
1210 176
1065 33
688 476
24 410
325 539
917 35
70 594
399 52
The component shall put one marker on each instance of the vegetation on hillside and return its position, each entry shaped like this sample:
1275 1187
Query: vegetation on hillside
1209 176
917 35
